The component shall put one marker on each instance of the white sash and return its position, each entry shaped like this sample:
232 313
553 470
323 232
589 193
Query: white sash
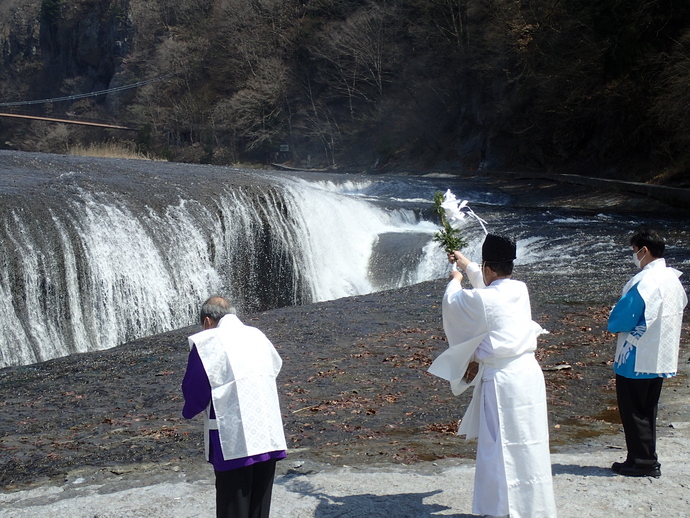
241 365
664 298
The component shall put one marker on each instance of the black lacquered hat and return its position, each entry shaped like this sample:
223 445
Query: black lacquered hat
498 249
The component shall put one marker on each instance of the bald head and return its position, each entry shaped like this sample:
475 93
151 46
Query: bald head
215 308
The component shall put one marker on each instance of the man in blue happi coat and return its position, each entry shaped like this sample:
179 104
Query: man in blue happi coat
648 320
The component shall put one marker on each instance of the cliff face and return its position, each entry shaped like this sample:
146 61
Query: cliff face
85 40
577 86
51 47
19 43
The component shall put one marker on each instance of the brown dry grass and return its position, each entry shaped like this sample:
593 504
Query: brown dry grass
111 150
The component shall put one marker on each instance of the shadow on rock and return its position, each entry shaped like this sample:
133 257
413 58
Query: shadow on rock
588 471
371 505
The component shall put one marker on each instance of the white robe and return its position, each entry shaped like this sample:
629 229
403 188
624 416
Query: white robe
664 300
242 366
508 407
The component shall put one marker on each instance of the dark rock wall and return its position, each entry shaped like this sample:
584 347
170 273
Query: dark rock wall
85 40
54 48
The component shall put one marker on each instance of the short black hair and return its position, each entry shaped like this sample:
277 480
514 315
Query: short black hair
646 237
215 308
502 268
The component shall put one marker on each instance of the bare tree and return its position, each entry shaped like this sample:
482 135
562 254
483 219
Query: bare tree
320 123
255 113
361 52
449 19
247 31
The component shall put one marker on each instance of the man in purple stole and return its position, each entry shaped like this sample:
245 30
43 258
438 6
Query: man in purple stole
231 378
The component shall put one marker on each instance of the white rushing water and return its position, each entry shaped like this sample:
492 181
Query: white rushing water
338 231
102 269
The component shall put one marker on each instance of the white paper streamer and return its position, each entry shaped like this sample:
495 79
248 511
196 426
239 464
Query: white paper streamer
454 211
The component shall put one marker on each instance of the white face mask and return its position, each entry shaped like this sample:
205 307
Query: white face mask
638 262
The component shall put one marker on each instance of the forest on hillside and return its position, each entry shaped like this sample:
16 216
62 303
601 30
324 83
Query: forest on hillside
586 86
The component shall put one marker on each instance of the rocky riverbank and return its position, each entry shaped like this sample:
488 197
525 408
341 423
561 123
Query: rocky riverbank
354 387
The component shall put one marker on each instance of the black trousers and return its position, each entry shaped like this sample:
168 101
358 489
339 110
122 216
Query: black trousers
638 401
245 492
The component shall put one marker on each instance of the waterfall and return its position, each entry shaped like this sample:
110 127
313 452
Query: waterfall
85 266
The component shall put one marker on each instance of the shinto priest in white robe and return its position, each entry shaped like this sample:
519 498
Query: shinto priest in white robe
507 414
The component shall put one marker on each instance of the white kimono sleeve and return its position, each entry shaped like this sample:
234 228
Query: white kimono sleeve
474 274
464 322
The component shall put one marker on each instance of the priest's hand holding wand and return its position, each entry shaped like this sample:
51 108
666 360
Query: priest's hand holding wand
460 261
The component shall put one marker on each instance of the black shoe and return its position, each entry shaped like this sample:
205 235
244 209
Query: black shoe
617 466
640 471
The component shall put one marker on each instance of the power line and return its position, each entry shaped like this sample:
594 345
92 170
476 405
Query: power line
82 96
67 121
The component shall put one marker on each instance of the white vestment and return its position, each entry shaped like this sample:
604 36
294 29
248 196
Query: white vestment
242 366
508 407
664 300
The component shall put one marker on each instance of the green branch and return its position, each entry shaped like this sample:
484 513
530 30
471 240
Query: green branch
448 237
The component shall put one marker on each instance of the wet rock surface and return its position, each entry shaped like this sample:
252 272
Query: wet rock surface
354 387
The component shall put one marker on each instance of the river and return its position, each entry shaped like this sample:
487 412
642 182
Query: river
99 252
